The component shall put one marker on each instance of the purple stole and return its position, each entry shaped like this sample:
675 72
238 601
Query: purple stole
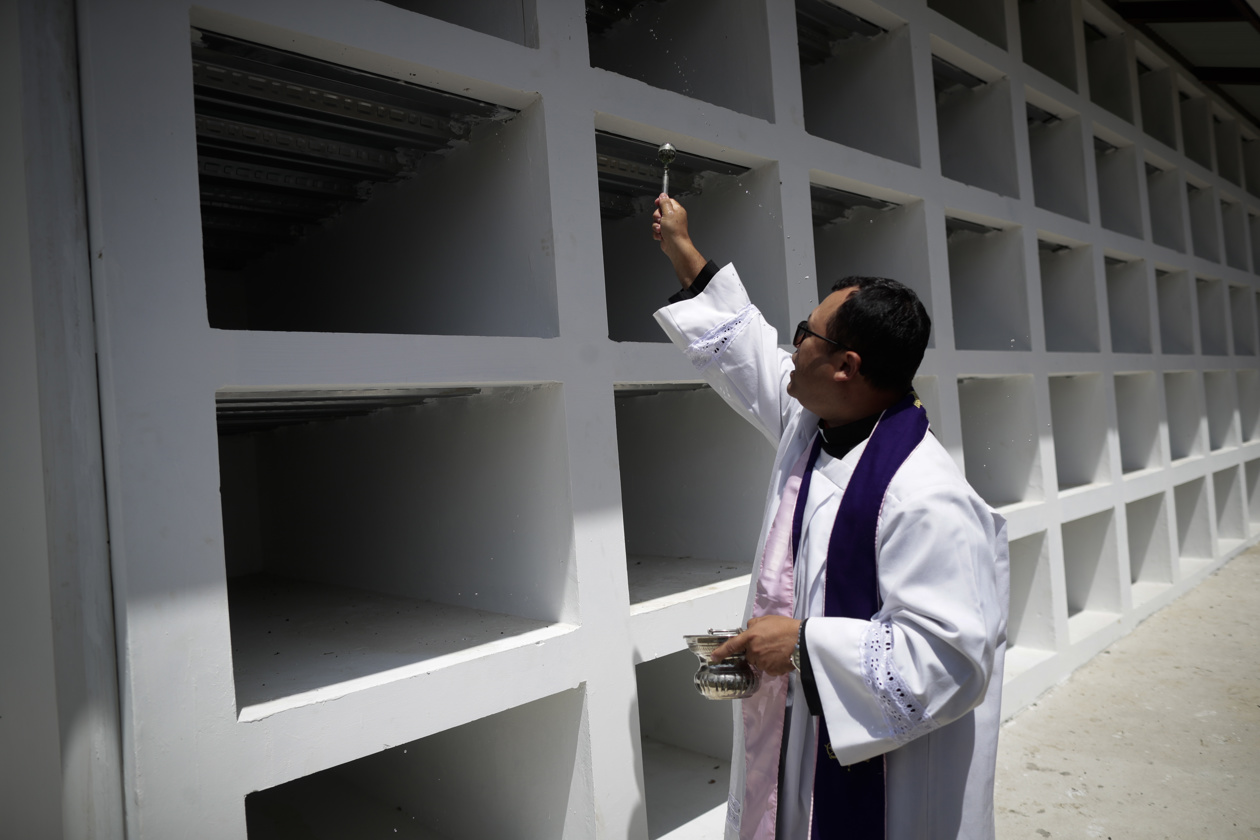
847 801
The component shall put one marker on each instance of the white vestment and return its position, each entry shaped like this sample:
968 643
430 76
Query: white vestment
944 583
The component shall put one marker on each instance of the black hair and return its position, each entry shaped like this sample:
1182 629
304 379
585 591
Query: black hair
886 324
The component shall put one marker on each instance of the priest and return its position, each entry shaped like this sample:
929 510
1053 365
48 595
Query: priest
878 606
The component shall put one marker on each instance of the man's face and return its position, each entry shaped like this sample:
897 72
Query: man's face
813 382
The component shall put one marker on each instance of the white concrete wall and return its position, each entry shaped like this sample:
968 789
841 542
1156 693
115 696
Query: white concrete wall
506 278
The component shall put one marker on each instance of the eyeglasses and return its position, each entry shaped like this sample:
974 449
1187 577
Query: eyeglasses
802 330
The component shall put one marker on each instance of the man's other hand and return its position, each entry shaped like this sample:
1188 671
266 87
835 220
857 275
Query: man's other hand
767 644
669 227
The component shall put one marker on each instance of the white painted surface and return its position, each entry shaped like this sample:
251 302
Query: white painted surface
531 288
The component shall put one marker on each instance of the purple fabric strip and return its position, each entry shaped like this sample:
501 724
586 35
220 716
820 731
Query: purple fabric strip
849 802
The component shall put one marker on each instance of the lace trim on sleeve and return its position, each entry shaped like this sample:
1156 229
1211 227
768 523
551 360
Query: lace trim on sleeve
905 716
708 348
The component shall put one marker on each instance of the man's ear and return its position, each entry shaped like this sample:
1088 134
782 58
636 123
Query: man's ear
848 366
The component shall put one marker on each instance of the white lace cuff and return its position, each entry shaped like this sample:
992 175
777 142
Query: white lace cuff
708 348
903 713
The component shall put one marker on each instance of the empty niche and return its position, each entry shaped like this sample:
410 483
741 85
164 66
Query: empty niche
1196 128
1203 236
1212 303
686 749
321 218
1176 324
1058 159
1119 204
1218 388
511 20
1163 195
1150 552
1184 412
1234 224
707 543
735 213
986 286
1194 535
1251 474
1231 520
1107 58
1001 447
858 235
356 536
1248 381
1242 321
1030 635
1158 101
524 772
1078 417
1047 36
1137 416
1091 572
975 128
1228 149
1128 305
716 51
1251 164
849 66
1067 297
1253 225
986 18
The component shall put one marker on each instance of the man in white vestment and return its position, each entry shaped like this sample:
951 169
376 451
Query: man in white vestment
878 616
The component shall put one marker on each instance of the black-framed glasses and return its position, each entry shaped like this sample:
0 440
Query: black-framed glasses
802 330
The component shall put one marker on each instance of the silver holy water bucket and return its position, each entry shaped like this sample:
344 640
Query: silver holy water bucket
732 678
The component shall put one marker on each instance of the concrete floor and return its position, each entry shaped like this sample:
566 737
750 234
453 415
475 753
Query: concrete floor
1157 737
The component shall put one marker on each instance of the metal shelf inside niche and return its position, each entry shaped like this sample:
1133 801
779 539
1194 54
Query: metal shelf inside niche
317 184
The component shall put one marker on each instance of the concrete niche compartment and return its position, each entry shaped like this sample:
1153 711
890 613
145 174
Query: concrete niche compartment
1128 305
707 543
1228 149
511 20
1058 157
1194 534
1251 164
322 218
986 286
1163 197
1110 68
524 772
1242 320
1196 128
1213 339
1218 386
1091 570
686 743
860 235
986 18
1137 417
1150 553
716 51
1204 237
1158 101
1001 449
1234 228
1184 412
1078 418
1176 323
1030 635
1067 297
1248 381
1047 36
1231 520
1251 474
1119 204
735 217
356 535
851 65
973 120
